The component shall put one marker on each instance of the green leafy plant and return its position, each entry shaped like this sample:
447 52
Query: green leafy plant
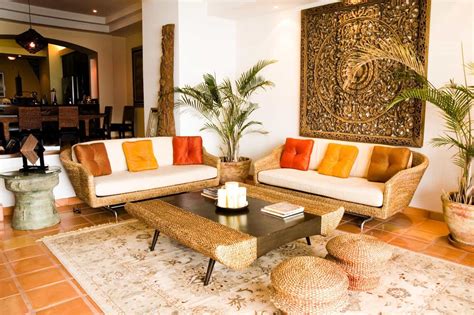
454 100
227 107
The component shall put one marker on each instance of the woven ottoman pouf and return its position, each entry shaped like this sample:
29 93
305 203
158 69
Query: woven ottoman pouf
363 257
309 285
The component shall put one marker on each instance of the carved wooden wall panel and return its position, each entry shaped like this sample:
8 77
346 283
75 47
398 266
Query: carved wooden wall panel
358 111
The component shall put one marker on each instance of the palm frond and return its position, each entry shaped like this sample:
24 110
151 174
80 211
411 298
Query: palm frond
248 82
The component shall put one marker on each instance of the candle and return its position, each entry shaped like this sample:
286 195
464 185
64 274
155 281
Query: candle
242 199
222 198
230 185
232 197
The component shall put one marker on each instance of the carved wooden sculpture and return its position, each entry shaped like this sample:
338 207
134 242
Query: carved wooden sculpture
358 112
166 125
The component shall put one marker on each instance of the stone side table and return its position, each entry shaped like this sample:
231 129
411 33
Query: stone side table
34 200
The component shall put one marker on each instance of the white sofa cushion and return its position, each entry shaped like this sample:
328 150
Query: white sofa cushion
122 182
162 149
352 189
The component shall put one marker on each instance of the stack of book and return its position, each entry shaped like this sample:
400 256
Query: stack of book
210 192
284 210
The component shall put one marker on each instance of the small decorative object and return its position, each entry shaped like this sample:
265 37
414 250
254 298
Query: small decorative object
54 100
31 151
227 109
2 86
152 126
455 101
31 40
309 285
232 196
363 258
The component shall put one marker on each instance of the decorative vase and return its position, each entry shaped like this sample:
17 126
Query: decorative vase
235 171
460 220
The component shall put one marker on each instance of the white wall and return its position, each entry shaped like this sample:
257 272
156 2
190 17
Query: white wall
207 44
155 14
277 36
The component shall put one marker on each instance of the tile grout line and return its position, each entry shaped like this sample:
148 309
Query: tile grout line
21 292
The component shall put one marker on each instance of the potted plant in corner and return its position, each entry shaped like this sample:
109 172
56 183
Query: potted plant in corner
455 102
227 110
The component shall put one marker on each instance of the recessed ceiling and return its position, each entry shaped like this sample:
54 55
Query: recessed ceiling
237 9
103 7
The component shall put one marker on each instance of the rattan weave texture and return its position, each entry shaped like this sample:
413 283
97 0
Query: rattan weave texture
363 258
309 285
83 183
398 191
230 247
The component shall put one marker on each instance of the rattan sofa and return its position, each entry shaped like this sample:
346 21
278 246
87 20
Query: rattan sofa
85 185
394 195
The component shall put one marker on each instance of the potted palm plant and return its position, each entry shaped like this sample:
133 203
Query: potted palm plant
227 109
455 102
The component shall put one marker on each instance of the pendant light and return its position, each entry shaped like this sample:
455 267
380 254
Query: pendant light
31 40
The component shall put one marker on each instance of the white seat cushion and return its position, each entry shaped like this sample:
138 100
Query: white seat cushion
352 189
125 182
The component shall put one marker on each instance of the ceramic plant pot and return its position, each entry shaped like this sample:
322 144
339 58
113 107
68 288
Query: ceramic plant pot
460 220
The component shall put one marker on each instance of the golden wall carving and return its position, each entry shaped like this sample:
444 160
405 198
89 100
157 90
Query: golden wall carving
358 111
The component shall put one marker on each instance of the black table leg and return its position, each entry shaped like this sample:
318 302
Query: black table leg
308 240
210 267
155 238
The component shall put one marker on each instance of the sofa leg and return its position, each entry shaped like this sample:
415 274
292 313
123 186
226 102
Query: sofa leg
155 238
364 222
113 210
308 240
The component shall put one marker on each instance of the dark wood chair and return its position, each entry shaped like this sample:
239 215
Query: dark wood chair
107 125
128 123
68 122
29 121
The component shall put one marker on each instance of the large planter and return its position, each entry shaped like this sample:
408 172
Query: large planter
460 220
235 171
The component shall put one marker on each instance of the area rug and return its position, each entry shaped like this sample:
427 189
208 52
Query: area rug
113 265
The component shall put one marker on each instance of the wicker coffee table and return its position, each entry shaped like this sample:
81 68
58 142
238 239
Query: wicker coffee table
234 239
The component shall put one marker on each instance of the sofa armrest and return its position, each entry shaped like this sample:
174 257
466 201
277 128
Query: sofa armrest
211 160
269 162
81 179
399 189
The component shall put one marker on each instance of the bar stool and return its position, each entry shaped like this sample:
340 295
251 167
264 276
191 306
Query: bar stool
68 120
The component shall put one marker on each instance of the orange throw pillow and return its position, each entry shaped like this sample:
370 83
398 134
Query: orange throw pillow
297 154
139 155
187 150
94 158
338 160
386 162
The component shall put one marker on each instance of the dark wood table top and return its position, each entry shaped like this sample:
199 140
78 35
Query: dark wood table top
270 231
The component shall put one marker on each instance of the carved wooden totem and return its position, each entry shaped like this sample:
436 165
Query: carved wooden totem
166 124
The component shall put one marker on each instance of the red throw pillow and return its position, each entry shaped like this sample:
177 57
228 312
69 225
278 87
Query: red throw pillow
297 154
187 150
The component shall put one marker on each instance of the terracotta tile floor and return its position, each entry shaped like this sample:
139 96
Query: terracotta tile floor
33 281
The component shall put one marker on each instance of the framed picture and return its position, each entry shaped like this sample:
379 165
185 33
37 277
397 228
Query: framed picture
137 76
2 85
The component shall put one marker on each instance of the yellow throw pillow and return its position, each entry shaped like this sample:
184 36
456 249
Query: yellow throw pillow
386 162
338 160
139 155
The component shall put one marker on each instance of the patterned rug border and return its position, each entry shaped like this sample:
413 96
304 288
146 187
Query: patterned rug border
85 230
106 225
